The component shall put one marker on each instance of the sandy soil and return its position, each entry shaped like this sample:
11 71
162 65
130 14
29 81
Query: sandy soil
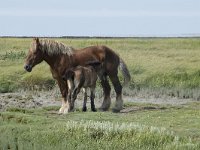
28 99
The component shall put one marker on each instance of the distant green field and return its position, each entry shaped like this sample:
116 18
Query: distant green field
168 66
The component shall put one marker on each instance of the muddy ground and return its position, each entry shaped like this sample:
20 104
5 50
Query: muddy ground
30 99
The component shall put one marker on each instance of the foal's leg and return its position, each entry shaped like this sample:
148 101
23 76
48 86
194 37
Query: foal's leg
106 89
74 96
92 96
118 89
85 100
69 97
75 93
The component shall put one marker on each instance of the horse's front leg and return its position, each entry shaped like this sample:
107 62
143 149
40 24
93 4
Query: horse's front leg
65 101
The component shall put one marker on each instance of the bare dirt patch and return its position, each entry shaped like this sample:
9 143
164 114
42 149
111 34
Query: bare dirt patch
137 108
29 99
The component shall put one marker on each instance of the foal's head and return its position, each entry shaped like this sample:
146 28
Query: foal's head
69 77
69 74
35 55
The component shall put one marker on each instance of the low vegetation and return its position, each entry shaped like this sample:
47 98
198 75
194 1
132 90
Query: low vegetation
148 127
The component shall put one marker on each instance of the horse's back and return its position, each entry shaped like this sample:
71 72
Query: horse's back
107 57
100 53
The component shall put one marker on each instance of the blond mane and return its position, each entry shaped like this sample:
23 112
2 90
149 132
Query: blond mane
55 48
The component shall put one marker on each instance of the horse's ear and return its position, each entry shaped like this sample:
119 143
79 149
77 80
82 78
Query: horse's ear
36 40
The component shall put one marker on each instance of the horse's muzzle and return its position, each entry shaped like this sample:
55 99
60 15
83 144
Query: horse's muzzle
28 68
63 77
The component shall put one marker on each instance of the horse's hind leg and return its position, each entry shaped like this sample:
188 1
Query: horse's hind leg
106 89
92 96
118 89
85 100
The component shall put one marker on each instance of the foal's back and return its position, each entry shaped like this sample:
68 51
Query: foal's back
90 76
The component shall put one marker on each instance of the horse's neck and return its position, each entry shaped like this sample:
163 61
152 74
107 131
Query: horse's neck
57 63
51 60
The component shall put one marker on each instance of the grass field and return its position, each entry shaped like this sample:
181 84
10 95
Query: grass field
158 66
164 127
161 66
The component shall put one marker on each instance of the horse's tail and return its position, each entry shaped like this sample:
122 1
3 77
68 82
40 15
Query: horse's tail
125 72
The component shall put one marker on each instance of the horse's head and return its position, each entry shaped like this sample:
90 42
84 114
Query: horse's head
35 55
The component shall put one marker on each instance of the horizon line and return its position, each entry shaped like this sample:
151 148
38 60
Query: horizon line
138 36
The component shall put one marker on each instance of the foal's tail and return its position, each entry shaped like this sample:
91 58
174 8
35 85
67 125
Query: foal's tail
125 72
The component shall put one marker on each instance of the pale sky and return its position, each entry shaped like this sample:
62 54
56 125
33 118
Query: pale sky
99 18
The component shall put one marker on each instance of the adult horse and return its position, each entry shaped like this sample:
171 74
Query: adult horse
61 57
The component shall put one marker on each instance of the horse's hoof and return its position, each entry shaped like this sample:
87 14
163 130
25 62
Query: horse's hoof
72 110
103 109
65 111
115 110
60 112
94 110
84 109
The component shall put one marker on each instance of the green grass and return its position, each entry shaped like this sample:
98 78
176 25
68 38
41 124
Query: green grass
164 127
154 64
